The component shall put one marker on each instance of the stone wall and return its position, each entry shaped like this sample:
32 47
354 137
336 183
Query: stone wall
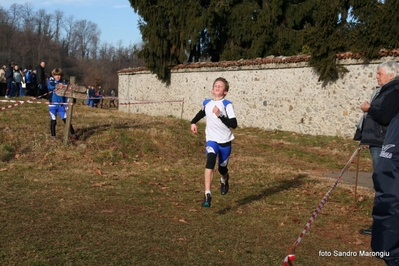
284 96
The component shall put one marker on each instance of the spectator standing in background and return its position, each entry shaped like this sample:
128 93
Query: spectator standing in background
9 78
97 99
385 229
3 85
380 111
92 95
18 79
41 79
112 99
29 81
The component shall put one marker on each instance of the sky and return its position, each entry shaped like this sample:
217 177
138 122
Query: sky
115 18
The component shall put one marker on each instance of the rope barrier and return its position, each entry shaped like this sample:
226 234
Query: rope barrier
291 252
32 100
17 103
11 106
150 102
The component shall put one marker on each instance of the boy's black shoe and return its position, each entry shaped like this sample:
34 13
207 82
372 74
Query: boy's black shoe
207 200
224 187
365 231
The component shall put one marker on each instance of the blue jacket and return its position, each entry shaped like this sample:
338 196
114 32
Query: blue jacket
51 85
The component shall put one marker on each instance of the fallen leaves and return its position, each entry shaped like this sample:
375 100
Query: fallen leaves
99 184
97 171
357 242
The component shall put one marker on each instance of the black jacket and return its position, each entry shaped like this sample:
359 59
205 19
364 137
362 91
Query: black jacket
40 75
9 73
385 230
380 113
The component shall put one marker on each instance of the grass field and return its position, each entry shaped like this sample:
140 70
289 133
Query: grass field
129 192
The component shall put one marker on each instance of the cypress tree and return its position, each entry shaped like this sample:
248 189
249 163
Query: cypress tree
375 26
327 38
179 31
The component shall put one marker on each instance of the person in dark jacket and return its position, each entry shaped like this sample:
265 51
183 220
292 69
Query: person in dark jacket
9 78
380 112
41 79
385 229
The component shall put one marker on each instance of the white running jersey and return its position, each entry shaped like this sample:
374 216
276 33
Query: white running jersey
215 129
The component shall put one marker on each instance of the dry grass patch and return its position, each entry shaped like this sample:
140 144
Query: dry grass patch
129 193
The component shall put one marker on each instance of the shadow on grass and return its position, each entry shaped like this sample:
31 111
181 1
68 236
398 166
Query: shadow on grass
282 185
86 132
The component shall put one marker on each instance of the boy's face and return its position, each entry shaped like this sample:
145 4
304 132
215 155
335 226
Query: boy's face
218 89
57 77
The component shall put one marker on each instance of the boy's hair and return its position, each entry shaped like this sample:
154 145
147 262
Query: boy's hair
56 71
226 83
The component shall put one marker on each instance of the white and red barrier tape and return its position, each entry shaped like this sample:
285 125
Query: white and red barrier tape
150 102
31 101
12 105
291 257
17 103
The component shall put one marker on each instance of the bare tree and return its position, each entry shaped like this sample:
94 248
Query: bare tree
4 17
86 36
28 37
43 23
68 26
58 16
27 16
5 34
13 15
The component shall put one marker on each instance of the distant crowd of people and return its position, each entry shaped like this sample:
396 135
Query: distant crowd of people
95 97
18 82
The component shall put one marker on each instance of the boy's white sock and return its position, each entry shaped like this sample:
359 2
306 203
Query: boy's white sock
207 192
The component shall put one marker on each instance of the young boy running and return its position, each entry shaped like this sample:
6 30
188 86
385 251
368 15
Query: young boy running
220 117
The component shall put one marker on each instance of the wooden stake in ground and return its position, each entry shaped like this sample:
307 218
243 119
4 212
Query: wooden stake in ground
182 108
68 121
357 177
71 91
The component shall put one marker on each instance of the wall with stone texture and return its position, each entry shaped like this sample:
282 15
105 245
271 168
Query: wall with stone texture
283 96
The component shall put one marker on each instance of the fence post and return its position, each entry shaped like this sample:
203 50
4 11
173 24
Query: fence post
69 114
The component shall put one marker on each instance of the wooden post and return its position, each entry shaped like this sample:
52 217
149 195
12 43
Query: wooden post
69 114
68 121
357 177
182 109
